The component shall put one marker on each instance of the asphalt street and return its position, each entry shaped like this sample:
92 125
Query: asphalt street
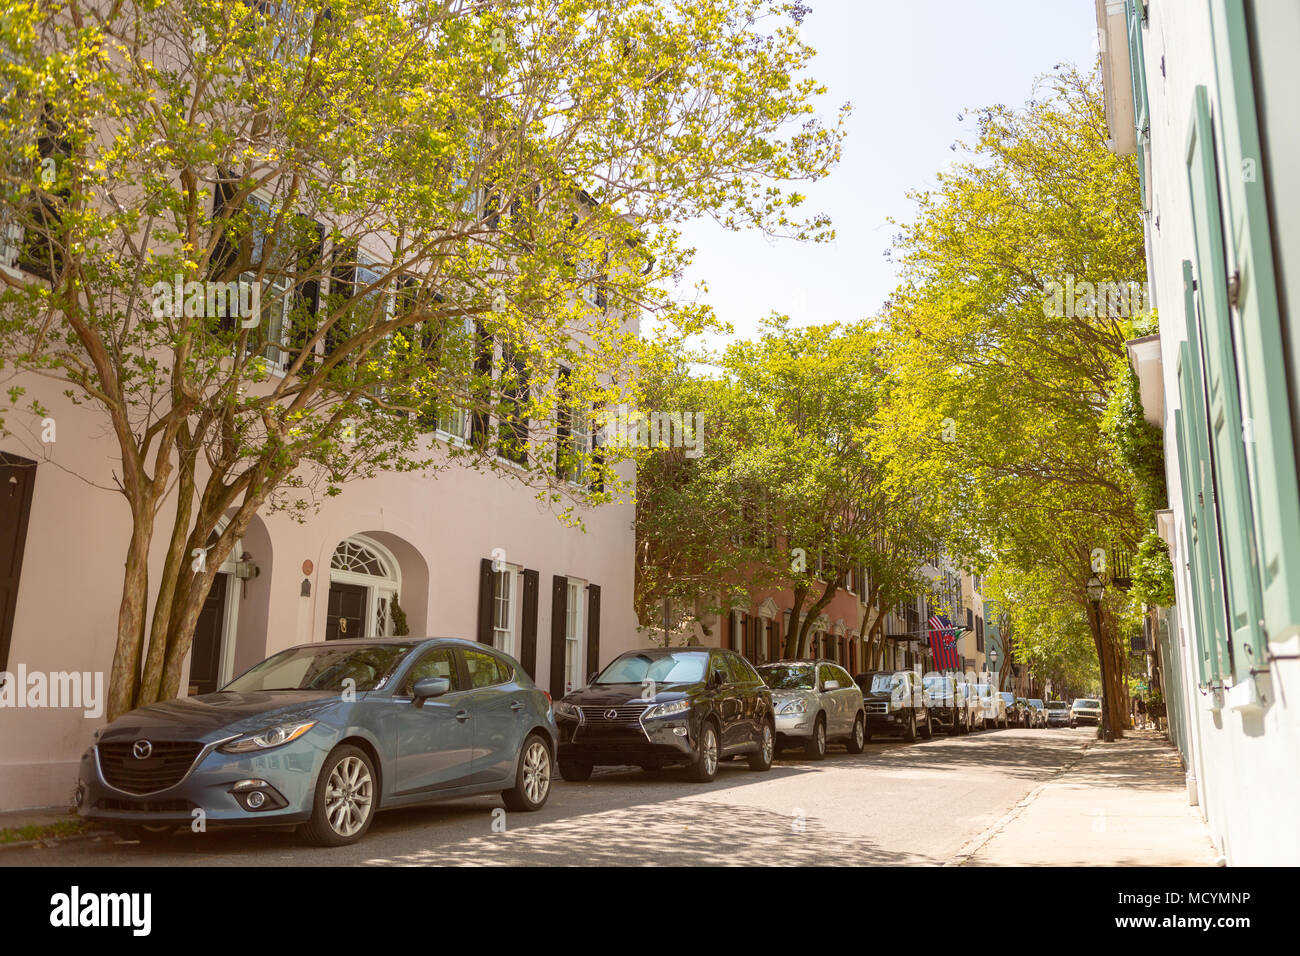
896 803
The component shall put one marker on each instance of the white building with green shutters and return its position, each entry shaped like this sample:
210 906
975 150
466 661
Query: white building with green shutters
1205 93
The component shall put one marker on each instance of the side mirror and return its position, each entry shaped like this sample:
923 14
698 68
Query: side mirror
427 687
717 679
831 685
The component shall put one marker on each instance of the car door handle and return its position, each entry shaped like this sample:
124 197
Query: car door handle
516 705
462 715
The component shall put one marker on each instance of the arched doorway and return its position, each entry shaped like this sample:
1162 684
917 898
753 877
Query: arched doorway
364 580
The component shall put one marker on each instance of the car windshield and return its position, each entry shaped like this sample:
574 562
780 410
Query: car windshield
669 667
1082 702
787 676
936 683
883 683
1057 705
1009 698
983 689
1035 702
355 667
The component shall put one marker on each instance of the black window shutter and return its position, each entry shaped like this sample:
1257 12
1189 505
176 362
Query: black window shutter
486 582
343 277
593 628
224 252
562 426
597 455
40 254
528 629
482 385
306 296
559 614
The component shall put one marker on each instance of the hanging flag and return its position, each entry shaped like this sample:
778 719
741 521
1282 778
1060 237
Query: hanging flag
943 642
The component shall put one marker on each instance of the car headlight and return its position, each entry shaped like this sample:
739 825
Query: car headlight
671 709
565 709
266 739
794 707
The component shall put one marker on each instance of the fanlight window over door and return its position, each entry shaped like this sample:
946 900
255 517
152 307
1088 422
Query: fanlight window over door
358 561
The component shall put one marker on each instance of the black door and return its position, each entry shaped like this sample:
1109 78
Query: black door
17 476
346 617
205 653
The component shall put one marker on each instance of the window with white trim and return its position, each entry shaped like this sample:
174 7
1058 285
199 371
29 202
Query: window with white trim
503 609
573 635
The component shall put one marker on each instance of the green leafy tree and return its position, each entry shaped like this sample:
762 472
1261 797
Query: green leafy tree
439 207
785 492
1022 274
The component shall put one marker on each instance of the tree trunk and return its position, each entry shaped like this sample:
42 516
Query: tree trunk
125 676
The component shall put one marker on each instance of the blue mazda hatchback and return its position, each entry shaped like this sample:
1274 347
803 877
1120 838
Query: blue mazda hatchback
323 736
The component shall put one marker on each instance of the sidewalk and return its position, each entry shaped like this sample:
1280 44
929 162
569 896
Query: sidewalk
1120 804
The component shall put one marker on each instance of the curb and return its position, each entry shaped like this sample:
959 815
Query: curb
963 855
50 843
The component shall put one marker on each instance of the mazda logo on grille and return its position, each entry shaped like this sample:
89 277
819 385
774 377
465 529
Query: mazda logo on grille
142 749
611 714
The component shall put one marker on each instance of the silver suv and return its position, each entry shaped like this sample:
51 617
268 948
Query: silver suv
1058 713
815 701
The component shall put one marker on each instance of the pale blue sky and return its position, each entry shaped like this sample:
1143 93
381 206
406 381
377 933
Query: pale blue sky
909 67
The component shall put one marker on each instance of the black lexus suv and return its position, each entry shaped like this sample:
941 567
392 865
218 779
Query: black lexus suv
663 707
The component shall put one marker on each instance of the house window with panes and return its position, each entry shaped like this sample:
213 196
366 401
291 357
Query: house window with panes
503 605
273 322
573 649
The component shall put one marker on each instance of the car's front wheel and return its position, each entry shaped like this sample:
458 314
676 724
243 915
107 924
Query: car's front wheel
910 733
762 758
705 766
345 799
532 779
814 747
857 742
927 731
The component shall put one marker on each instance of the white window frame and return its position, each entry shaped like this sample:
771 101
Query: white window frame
575 633
504 638
377 588
580 445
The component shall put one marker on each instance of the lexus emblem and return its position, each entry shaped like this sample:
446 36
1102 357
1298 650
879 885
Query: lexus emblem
611 714
142 749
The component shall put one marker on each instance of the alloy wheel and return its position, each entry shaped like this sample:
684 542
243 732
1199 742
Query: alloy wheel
537 771
349 796
710 747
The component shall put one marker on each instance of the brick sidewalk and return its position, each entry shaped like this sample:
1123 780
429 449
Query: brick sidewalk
1120 804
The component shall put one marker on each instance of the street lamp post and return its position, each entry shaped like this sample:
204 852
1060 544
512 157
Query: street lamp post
993 662
1096 590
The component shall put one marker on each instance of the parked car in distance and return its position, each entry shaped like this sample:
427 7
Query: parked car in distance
1058 713
948 704
1037 713
662 707
1014 715
815 702
993 709
323 736
1085 710
895 703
